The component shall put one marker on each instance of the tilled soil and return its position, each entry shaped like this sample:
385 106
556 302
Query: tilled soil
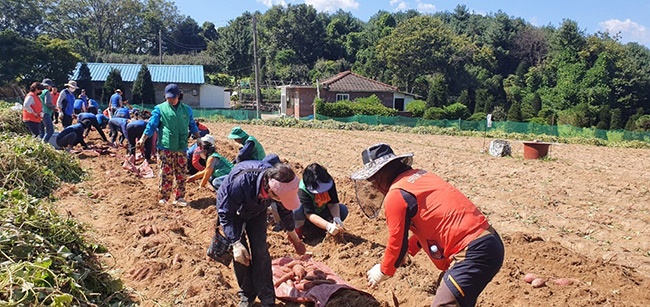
581 214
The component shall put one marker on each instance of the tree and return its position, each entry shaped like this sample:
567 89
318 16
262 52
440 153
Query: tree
514 113
185 38
84 80
113 82
456 111
417 107
234 50
143 91
438 96
421 46
616 122
24 17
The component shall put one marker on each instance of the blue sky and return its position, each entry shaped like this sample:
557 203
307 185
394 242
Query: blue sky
630 17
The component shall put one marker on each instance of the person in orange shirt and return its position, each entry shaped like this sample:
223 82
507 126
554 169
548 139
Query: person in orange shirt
33 109
450 229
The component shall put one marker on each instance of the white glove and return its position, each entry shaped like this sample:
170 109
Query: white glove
333 229
337 221
375 276
41 114
240 253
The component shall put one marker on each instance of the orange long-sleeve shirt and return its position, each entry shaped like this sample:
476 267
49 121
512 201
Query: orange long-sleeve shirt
436 213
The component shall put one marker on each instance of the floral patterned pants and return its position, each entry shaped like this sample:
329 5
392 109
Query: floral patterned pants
173 165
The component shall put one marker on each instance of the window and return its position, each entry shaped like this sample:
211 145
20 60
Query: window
340 97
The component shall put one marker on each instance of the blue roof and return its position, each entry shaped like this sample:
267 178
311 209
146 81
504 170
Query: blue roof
192 74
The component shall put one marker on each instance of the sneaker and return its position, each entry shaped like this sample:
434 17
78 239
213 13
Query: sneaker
162 201
180 202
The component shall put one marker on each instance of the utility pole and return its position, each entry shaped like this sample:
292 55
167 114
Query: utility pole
160 45
257 68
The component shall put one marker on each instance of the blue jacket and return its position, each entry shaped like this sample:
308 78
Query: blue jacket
78 104
83 116
137 123
102 120
121 122
123 113
237 199
94 103
116 100
68 109
76 128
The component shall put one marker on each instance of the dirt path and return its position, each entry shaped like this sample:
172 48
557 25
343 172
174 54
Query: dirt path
582 214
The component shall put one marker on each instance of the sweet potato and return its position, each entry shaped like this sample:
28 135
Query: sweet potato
564 281
284 278
299 271
530 277
538 282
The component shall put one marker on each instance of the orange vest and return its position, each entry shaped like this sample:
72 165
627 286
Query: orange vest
445 217
36 107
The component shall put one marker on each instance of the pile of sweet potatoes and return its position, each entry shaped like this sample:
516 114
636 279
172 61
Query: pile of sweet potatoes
303 276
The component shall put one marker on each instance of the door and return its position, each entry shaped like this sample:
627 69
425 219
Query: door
399 104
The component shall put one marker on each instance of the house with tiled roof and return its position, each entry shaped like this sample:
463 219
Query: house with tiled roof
299 99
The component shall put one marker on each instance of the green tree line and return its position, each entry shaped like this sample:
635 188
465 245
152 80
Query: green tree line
490 63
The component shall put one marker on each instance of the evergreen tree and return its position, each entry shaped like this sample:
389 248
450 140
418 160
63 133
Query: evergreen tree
113 82
84 81
604 118
537 103
514 113
616 121
438 95
143 91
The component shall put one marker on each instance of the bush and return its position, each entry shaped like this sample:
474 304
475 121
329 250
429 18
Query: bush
434 113
361 106
538 121
478 116
456 111
417 107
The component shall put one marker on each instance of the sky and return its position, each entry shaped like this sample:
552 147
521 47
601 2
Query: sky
629 17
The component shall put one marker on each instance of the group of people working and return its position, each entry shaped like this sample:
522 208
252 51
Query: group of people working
443 223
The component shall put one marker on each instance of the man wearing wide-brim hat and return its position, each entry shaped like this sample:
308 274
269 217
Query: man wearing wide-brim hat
65 103
445 224
251 149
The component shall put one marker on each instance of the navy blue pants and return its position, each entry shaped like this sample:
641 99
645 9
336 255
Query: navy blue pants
466 279
135 132
256 280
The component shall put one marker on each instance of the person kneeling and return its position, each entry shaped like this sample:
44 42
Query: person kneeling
216 168
319 202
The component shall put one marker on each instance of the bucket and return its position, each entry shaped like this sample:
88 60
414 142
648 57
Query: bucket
536 150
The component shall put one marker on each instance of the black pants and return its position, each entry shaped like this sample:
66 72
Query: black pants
256 280
34 127
114 130
92 110
94 123
66 120
68 139
133 133
55 117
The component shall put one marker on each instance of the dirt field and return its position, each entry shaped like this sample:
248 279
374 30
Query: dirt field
582 214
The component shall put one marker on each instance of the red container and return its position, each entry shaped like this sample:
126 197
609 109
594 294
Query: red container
536 150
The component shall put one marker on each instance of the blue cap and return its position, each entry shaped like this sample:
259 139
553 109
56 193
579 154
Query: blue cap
172 91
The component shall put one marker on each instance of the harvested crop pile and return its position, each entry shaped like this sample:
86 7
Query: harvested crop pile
11 120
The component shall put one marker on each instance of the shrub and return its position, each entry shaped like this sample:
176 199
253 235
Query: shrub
417 107
538 121
434 113
456 111
478 116
361 106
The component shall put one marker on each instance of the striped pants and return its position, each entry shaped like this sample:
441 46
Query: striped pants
173 166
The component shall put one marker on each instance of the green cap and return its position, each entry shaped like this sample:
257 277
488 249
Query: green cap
237 133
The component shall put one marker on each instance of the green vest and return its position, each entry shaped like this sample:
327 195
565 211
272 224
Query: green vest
223 166
46 110
317 209
174 125
258 151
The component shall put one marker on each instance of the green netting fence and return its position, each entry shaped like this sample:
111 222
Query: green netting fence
239 114
565 131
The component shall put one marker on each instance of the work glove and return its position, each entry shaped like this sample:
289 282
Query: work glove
140 143
240 253
375 276
333 229
300 248
337 221
41 114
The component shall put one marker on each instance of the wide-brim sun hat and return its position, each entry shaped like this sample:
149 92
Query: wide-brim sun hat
375 158
237 133
208 138
72 83
320 187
